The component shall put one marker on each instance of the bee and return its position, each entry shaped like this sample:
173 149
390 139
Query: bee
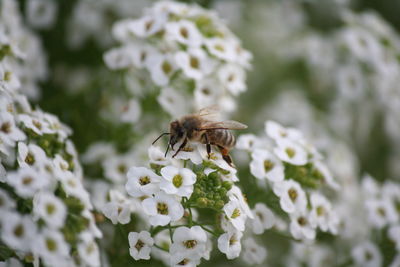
203 127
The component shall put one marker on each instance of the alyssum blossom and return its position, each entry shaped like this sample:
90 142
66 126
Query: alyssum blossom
175 42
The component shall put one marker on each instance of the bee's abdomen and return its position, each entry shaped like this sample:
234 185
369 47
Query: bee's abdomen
221 137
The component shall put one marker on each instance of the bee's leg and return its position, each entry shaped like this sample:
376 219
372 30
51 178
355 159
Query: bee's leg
225 156
180 147
208 145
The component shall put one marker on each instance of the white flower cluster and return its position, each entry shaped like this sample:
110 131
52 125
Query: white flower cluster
170 198
22 61
381 207
186 51
293 169
45 211
45 208
369 226
359 63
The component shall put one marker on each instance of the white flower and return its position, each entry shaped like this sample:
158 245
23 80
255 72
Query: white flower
31 155
27 181
292 196
92 227
52 247
73 187
119 209
229 243
350 82
266 165
116 167
277 131
156 156
50 208
41 13
56 126
177 181
6 202
148 25
61 167
264 219
253 253
233 78
207 93
190 152
321 211
180 259
184 32
9 132
17 231
236 194
119 58
161 68
173 102
162 209
362 43
221 48
190 242
326 174
216 158
367 255
89 250
394 235
300 226
194 63
142 182
131 111
248 142
235 214
290 152
370 187
36 123
9 78
140 245
381 212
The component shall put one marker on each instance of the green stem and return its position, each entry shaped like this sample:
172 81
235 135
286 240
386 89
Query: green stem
163 249
170 231
208 230
190 217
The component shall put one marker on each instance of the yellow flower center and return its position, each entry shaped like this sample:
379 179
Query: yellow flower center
162 208
50 208
177 180
290 152
144 180
292 194
51 244
139 245
190 243
268 165
235 213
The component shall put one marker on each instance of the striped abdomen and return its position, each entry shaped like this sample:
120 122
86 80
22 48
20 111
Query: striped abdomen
221 137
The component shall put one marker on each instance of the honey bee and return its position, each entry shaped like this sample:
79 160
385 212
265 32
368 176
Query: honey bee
203 127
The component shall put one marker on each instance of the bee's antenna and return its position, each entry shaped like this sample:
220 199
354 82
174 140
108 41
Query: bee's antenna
159 137
167 150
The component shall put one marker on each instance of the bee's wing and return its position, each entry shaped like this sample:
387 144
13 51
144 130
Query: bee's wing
229 125
211 113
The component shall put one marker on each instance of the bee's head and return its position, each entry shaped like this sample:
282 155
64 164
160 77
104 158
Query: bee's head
177 133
